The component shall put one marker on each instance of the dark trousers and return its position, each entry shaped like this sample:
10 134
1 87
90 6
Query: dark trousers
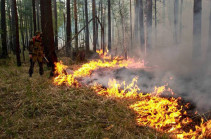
31 69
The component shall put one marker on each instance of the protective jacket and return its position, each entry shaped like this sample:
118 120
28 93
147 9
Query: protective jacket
36 49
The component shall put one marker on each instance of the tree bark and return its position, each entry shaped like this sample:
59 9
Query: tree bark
141 21
176 17
197 29
9 38
164 11
27 34
76 25
97 28
11 28
109 25
131 26
34 16
22 31
65 28
48 35
37 2
156 20
136 23
123 29
4 30
149 24
94 24
102 28
16 31
209 42
180 30
84 24
68 30
56 25
87 26
31 26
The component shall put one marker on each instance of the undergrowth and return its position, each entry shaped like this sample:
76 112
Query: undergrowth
35 108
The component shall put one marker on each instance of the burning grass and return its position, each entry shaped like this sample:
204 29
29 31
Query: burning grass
34 108
163 114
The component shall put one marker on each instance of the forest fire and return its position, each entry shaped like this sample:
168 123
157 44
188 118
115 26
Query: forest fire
164 114
115 92
107 56
63 77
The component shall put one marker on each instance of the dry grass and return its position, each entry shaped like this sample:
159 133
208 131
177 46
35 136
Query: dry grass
35 108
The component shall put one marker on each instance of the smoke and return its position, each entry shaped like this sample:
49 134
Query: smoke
191 76
172 63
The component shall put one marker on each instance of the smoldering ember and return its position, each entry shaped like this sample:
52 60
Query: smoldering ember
105 69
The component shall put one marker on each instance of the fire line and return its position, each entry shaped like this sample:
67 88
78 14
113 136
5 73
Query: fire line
163 114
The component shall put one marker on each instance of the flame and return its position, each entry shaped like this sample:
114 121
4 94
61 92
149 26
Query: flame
88 68
100 53
63 77
107 55
114 89
162 114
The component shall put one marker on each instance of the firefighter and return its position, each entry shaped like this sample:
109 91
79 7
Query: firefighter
36 53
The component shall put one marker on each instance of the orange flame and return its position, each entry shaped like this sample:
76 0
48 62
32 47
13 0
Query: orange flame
107 56
163 114
63 77
114 89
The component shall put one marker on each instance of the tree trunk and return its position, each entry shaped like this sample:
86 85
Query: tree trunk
102 28
76 25
84 24
109 25
176 17
136 24
56 25
113 29
4 30
131 26
65 32
34 16
156 20
94 24
37 2
48 35
164 11
68 30
27 34
180 30
87 26
209 42
97 27
141 21
22 31
31 27
149 24
11 27
197 29
123 29
16 31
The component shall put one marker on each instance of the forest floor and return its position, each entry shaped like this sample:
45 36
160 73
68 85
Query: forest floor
36 108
